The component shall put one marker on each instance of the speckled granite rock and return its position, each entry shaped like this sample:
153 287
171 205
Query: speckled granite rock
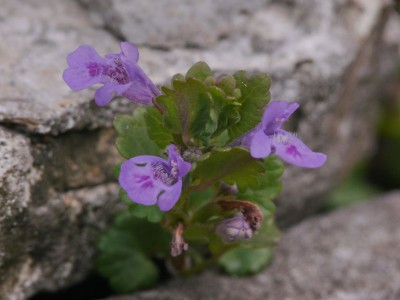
56 155
56 195
348 255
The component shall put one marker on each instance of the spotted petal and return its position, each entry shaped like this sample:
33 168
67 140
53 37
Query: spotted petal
137 179
292 150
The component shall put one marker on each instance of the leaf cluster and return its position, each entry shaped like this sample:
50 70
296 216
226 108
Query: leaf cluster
208 113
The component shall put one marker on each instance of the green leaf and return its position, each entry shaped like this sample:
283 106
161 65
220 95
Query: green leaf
199 71
225 111
129 232
242 261
266 237
187 111
127 270
133 138
232 165
270 185
254 97
125 251
227 83
151 213
199 199
117 170
156 129
198 233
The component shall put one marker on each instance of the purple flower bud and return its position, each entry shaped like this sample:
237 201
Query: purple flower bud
234 229
119 73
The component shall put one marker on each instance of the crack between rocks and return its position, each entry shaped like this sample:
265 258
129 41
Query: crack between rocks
367 50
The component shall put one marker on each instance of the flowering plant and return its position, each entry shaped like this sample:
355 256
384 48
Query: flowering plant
201 167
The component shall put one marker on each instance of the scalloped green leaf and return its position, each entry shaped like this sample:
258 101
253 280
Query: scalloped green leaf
200 71
156 129
133 138
266 237
127 270
125 251
231 165
241 261
152 213
187 111
270 185
254 97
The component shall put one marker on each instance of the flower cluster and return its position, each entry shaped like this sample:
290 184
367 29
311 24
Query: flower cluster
220 137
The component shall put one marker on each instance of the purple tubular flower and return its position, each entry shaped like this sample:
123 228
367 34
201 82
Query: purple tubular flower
150 179
234 229
268 138
119 73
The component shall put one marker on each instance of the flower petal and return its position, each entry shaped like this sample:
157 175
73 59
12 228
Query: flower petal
130 51
294 151
260 145
83 55
183 166
139 93
137 179
168 198
106 93
79 78
142 89
275 114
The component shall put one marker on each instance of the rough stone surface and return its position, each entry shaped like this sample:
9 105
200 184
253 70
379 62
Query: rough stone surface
57 155
55 199
348 255
36 38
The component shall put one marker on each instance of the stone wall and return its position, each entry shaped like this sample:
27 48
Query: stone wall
56 149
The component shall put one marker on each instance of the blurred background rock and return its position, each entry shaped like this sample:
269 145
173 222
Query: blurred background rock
339 59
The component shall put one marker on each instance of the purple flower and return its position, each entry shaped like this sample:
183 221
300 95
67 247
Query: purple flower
234 229
268 138
119 73
150 179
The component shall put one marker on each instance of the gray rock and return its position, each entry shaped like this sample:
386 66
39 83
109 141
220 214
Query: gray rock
174 23
56 194
347 255
36 38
